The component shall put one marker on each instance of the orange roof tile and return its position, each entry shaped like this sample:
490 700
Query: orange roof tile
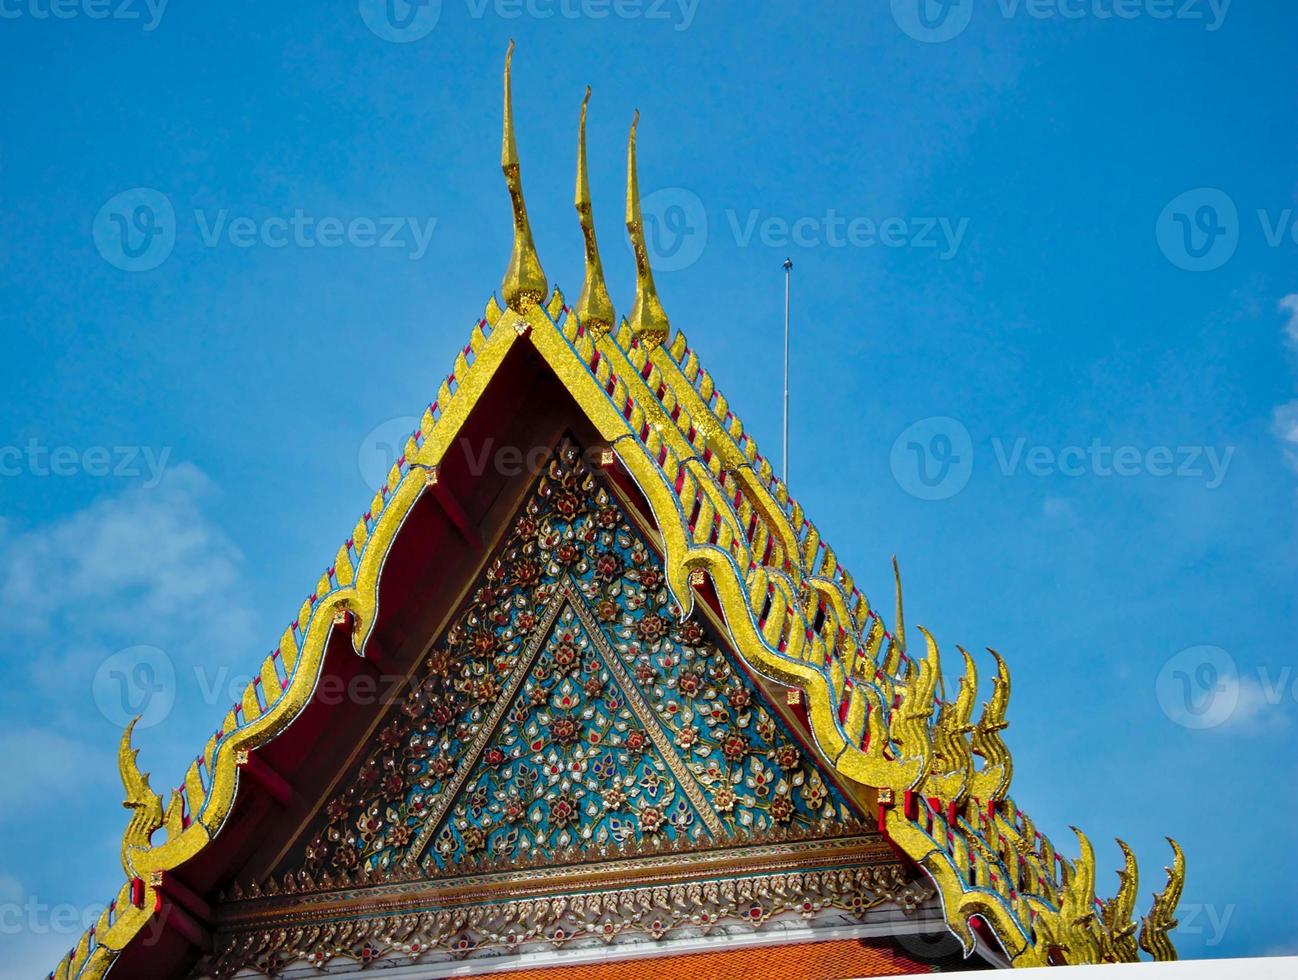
831 960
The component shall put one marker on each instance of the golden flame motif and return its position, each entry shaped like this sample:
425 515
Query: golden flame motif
992 782
1119 936
952 757
1162 917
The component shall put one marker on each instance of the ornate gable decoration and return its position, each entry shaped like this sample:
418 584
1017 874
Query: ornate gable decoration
572 724
569 710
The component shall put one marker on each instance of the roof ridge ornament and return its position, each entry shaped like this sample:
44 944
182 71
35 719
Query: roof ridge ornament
1162 917
899 627
145 805
648 321
594 308
524 279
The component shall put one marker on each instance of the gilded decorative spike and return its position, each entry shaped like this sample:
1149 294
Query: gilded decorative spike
1162 917
952 758
144 804
1119 941
992 782
884 676
876 725
594 309
1082 885
911 727
899 628
1078 929
648 320
524 280
891 663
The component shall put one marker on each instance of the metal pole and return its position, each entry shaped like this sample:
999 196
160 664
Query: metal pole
788 271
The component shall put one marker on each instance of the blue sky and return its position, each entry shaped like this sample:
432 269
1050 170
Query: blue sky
1045 350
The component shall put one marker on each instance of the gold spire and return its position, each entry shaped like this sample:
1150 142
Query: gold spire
594 308
524 279
899 627
648 321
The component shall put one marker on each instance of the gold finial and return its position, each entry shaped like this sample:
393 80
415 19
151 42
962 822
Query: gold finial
524 279
594 308
899 627
648 321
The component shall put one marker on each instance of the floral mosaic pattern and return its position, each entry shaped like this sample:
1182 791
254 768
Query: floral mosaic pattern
572 762
567 706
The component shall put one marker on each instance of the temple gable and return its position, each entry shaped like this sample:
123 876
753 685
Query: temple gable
567 709
563 758
568 725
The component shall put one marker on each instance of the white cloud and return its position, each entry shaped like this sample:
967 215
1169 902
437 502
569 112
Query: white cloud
144 553
1263 705
1290 305
146 566
1284 422
139 566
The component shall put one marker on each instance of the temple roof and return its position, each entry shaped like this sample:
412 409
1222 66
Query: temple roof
733 539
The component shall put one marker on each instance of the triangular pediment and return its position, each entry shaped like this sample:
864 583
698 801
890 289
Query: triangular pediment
572 759
567 709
